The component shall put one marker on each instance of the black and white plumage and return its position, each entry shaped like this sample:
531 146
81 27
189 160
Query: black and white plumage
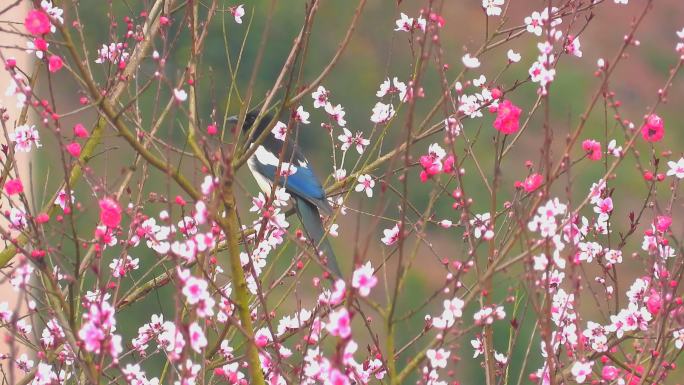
299 181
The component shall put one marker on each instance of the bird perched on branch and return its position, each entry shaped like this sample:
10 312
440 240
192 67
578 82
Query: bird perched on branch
295 175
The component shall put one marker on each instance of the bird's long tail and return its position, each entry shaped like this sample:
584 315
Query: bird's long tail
311 220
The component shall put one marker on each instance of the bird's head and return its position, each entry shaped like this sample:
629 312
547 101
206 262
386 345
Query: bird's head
250 119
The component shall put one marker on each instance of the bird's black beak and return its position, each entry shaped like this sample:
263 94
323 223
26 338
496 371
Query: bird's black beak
232 123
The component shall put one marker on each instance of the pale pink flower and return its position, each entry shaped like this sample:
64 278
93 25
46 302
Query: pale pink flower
573 47
676 169
492 7
581 370
391 236
470 61
396 86
438 358
301 116
349 140
336 113
405 23
478 346
366 183
180 95
678 336
363 279
382 113
195 290
320 97
198 340
238 12
534 23
604 206
339 323
336 296
114 52
279 130
53 11
513 56
481 226
120 266
24 137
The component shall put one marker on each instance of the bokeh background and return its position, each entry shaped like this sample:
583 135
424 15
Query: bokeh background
376 52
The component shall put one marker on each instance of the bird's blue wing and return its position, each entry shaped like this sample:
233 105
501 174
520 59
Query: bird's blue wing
302 183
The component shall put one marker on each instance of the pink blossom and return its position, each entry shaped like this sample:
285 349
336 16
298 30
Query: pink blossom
654 129
604 206
532 182
610 373
337 378
110 212
37 22
212 129
507 117
80 131
14 186
74 149
592 148
339 323
55 63
262 337
39 46
42 218
663 223
363 279
654 302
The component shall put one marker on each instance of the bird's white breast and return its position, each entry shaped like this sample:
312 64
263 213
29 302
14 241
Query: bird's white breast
262 181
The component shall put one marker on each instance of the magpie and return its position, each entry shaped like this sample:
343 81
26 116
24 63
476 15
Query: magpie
299 181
